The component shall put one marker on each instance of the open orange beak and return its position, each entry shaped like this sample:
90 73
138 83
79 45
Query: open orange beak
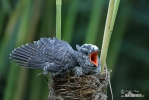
94 58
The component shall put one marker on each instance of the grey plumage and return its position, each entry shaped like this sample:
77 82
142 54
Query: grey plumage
83 54
56 56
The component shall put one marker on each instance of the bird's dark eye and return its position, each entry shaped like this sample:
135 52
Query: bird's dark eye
86 53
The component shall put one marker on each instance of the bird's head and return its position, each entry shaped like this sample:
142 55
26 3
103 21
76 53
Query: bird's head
89 54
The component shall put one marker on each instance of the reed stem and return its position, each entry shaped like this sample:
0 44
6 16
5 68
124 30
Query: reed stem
112 11
58 18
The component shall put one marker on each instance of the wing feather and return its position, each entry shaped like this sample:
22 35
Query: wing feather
47 53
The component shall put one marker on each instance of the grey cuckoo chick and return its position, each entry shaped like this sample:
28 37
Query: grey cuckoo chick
58 57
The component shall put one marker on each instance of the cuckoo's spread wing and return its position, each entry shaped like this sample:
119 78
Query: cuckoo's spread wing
47 53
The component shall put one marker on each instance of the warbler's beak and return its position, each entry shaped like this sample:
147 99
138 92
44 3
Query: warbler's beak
94 58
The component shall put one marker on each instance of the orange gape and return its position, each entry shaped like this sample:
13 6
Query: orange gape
94 58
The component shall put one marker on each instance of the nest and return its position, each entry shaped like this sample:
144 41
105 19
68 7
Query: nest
87 87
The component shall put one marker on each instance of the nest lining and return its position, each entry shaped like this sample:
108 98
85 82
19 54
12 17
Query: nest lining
87 87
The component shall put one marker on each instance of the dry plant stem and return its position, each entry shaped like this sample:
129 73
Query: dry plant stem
58 18
107 34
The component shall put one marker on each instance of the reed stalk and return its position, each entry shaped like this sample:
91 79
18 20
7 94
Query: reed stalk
112 11
58 18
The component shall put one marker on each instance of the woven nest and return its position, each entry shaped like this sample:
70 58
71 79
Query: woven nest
88 87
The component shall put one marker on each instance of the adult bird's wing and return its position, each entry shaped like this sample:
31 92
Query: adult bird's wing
49 54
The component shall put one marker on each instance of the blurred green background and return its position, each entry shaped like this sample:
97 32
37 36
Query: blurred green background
83 21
